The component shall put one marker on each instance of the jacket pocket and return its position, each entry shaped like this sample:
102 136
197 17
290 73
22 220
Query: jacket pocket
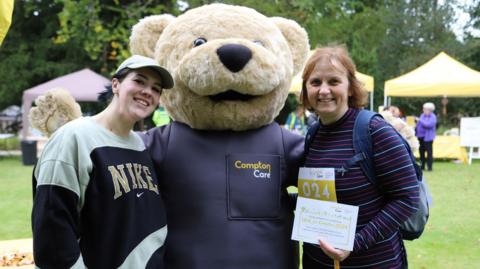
253 186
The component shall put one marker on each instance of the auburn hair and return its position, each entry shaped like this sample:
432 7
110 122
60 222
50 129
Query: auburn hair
335 55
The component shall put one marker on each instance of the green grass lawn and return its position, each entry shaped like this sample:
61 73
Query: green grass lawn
15 198
452 235
451 239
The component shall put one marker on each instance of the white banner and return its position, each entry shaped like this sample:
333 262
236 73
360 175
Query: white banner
470 132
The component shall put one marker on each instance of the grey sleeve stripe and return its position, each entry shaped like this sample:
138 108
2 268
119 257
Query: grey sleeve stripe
141 254
55 160
59 173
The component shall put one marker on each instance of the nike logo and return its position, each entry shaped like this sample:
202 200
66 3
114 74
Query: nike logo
139 194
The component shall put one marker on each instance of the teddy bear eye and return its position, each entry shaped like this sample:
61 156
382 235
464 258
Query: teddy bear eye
258 42
199 41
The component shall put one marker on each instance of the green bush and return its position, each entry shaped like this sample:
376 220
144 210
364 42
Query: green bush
12 143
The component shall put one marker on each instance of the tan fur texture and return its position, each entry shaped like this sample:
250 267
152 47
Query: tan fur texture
403 129
53 109
279 48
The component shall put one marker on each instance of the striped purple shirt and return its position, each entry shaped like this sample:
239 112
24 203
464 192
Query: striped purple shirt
377 240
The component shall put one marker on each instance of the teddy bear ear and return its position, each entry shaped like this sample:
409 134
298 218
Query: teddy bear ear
297 39
146 33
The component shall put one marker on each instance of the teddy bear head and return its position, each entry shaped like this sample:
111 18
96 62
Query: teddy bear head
232 66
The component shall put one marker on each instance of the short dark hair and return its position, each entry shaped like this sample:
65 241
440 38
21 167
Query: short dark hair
338 54
106 95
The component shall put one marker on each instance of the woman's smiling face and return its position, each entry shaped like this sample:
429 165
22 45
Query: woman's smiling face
328 90
138 94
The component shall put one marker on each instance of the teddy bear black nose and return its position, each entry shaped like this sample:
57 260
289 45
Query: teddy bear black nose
234 56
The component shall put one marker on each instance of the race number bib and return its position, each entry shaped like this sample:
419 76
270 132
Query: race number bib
317 183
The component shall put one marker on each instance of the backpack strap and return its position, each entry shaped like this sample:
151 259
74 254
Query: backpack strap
309 137
363 145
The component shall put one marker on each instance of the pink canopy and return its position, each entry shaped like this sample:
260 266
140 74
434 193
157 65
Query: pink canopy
83 85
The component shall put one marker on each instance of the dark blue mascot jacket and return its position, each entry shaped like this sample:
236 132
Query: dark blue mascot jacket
225 194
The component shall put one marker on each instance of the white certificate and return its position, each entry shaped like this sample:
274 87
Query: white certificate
332 222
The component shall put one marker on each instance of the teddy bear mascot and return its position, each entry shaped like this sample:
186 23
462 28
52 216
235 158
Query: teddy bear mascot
223 164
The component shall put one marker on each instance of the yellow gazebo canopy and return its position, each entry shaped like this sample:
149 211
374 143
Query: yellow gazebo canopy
441 76
6 10
365 79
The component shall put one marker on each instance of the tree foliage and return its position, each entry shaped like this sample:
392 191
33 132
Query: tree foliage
28 56
102 27
48 39
386 38
419 32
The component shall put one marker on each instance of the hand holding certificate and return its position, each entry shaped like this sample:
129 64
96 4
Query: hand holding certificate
332 222
326 220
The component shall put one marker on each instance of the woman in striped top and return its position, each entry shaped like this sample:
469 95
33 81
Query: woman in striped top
332 91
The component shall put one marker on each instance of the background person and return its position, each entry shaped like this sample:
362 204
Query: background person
395 111
296 120
160 116
425 132
331 89
97 202
402 127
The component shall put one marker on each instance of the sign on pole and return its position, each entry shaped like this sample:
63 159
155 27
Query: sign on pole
470 136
